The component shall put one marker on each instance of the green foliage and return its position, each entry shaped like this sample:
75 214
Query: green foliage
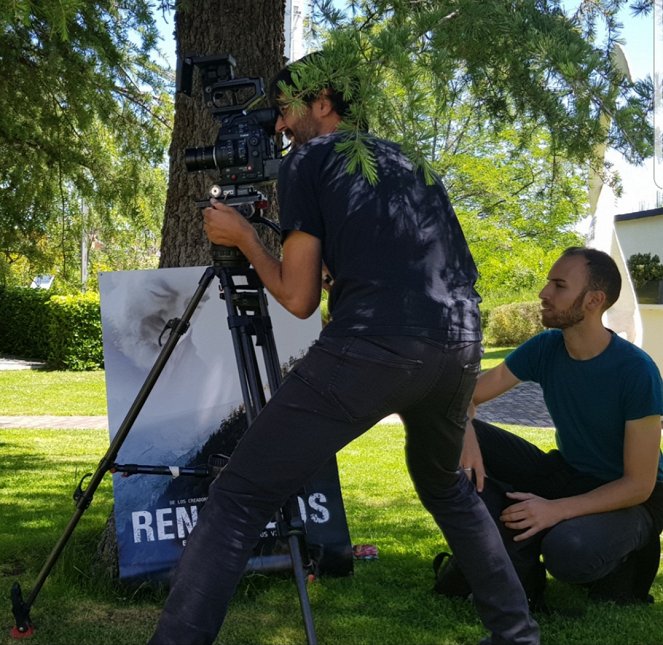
360 157
74 324
84 126
324 307
513 324
63 330
521 61
517 179
24 322
510 268
644 267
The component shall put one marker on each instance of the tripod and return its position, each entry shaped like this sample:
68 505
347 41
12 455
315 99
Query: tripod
248 317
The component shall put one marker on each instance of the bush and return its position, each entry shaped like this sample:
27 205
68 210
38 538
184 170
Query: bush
513 324
644 267
65 331
75 332
24 322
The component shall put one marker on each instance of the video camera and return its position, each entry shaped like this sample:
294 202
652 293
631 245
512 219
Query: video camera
245 150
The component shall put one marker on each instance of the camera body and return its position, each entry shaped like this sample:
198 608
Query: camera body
245 150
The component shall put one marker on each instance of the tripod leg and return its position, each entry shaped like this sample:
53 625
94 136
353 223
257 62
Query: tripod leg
254 398
300 581
21 608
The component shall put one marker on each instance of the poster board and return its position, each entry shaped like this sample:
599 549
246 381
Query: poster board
196 399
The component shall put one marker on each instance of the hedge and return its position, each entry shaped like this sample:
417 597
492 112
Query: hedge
24 322
64 331
75 332
513 324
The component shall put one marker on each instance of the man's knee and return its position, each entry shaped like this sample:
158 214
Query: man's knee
568 557
432 492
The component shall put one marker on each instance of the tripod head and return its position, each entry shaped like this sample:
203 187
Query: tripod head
250 203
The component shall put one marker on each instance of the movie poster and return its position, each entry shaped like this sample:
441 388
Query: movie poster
195 403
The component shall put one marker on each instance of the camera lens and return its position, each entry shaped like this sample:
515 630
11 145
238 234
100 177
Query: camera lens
199 158
221 155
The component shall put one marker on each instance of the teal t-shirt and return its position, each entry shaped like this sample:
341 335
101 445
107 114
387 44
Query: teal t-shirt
591 401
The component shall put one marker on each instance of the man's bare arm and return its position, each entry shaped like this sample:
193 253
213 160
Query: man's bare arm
294 281
489 385
492 383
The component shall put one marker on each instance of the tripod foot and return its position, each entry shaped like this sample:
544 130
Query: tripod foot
24 627
22 632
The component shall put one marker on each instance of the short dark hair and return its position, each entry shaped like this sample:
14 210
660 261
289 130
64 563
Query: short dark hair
602 271
340 103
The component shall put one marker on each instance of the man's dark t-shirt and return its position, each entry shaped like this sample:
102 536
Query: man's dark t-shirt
400 262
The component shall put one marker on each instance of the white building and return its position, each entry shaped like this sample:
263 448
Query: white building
642 232
295 16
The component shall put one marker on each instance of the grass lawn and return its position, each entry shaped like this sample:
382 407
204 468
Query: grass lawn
386 602
492 356
36 392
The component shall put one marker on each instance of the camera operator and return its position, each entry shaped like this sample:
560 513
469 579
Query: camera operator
404 338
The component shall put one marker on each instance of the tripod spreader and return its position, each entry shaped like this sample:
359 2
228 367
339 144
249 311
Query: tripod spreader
174 471
215 464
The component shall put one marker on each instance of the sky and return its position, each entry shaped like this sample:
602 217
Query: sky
639 185
640 189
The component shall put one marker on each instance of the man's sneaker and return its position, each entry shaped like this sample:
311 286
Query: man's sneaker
534 584
449 581
631 580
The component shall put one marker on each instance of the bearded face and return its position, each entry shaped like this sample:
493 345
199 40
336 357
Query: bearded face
563 297
563 318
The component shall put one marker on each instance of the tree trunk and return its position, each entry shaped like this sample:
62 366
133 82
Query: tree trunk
252 32
108 560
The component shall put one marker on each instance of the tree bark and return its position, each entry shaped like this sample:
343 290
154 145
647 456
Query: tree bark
252 32
108 561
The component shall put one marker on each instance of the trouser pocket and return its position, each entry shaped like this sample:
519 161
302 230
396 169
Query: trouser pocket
364 376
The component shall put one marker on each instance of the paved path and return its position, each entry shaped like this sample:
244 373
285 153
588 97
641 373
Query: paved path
523 405
8 363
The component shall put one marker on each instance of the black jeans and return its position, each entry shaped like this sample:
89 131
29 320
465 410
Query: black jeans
579 550
341 388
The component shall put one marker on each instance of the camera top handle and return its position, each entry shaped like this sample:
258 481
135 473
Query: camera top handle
222 92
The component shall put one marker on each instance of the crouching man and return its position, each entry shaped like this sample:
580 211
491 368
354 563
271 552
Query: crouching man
589 512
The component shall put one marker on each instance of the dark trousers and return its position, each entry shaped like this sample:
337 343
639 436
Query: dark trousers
579 550
342 387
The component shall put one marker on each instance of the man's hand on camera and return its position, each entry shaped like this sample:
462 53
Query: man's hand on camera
225 226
